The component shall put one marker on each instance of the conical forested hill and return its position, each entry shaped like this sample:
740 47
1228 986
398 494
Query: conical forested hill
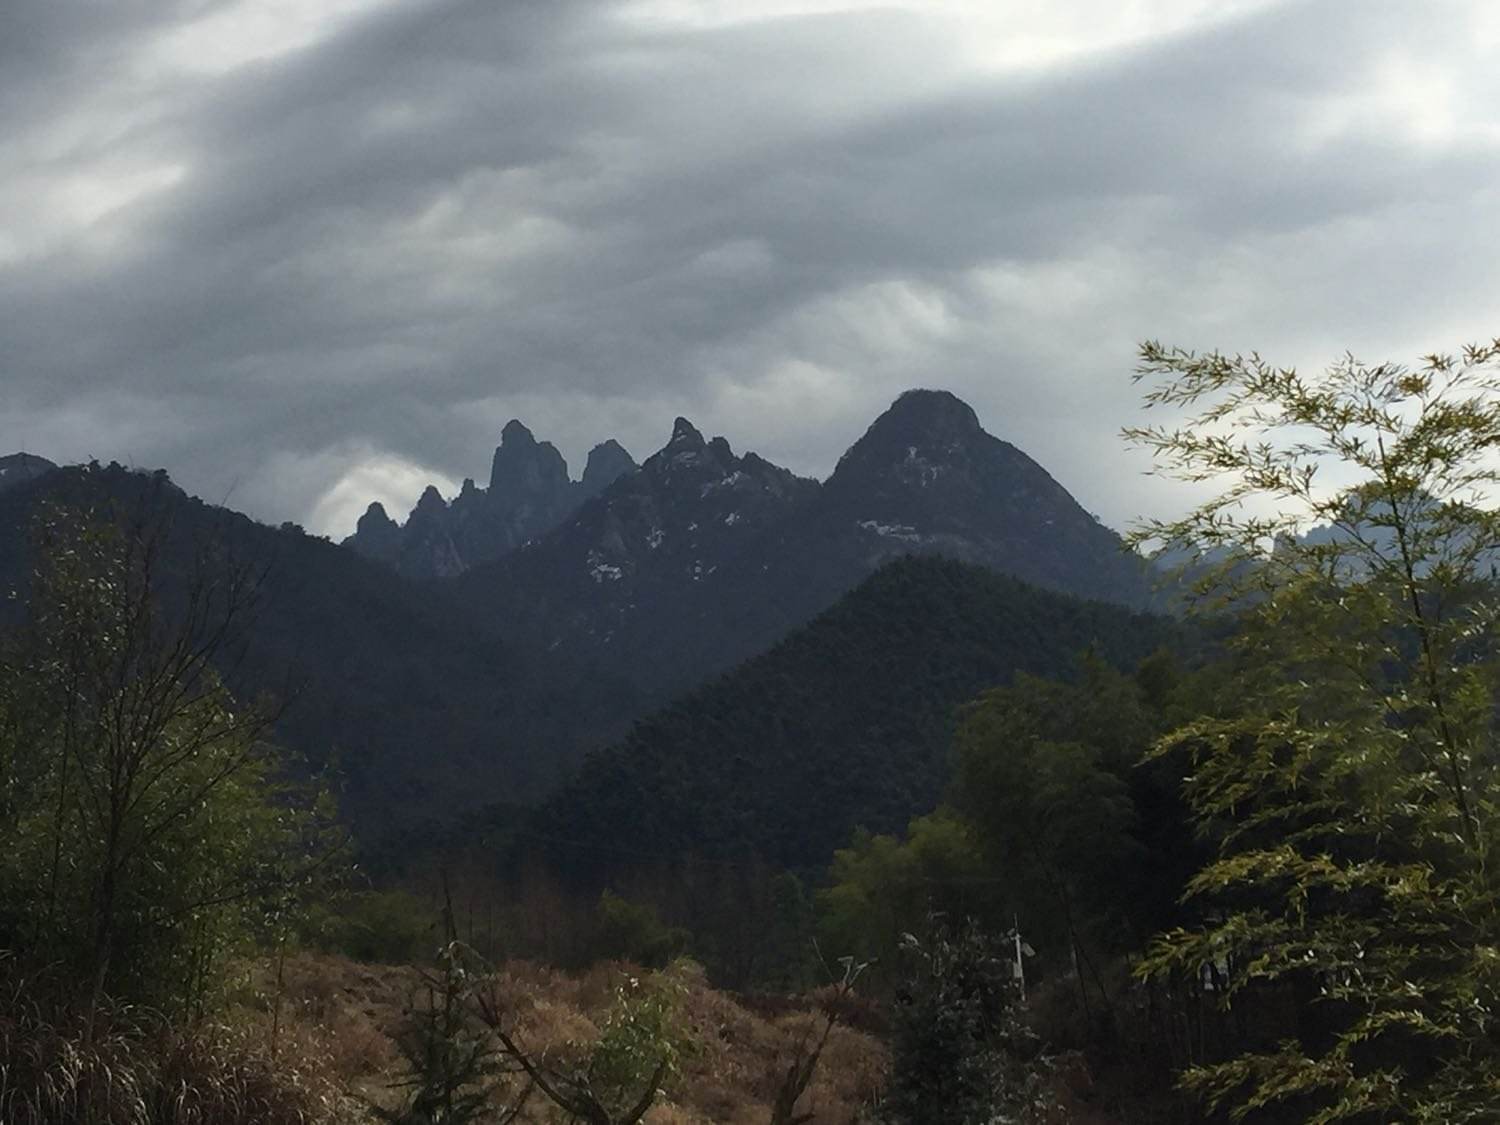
846 722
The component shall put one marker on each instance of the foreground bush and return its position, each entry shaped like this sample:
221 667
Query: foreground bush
960 1053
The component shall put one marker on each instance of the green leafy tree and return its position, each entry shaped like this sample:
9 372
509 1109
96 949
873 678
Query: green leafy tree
454 1072
633 931
640 1045
884 887
960 1053
146 833
1046 776
1347 778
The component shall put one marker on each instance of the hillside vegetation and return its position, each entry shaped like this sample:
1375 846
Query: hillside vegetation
958 851
847 723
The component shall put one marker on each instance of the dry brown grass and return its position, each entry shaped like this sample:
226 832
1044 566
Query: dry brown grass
347 1014
127 1069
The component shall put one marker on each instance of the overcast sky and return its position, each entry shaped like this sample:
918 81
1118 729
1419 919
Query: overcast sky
308 253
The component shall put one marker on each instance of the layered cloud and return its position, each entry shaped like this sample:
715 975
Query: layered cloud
290 249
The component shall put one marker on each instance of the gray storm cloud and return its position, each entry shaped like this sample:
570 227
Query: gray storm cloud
295 259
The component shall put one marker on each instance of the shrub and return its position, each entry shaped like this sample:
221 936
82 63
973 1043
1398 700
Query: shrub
629 931
385 927
640 1041
960 1053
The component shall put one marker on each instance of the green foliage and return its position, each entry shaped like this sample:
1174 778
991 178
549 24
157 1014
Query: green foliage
388 927
960 1054
146 834
1053 821
641 1042
787 942
1348 778
846 723
882 888
751 925
455 1070
629 931
392 684
1045 774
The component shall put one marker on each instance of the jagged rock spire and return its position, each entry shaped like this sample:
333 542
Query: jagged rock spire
685 435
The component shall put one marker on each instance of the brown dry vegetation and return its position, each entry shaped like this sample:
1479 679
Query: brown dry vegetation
339 1018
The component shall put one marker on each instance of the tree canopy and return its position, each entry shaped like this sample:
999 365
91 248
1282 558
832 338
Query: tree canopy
1347 782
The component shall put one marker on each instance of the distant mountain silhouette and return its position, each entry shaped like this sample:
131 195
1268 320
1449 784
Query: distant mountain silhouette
18 468
449 693
529 494
702 558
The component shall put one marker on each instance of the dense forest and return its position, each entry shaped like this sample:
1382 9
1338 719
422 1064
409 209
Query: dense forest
846 723
957 850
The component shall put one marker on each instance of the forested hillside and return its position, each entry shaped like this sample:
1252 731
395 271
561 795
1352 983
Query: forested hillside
845 723
433 698
417 706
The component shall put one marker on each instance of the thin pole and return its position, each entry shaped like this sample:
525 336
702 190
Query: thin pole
1020 967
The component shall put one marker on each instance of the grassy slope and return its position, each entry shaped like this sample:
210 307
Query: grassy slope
338 1016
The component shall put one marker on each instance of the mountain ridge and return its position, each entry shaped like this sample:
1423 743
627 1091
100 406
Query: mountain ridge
701 558
491 684
529 493
18 468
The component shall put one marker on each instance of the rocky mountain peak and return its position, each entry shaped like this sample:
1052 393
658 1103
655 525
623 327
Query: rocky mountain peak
925 438
516 433
377 536
926 477
18 468
608 462
529 494
375 516
525 471
430 502
933 421
685 436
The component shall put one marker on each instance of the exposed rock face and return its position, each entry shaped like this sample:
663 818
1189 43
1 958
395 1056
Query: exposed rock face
377 535
926 478
660 576
690 506
703 558
428 549
529 485
640 566
17 468
529 494
608 462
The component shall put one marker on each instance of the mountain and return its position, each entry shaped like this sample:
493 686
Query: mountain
491 685
421 707
631 580
18 468
927 477
846 722
529 493
703 558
